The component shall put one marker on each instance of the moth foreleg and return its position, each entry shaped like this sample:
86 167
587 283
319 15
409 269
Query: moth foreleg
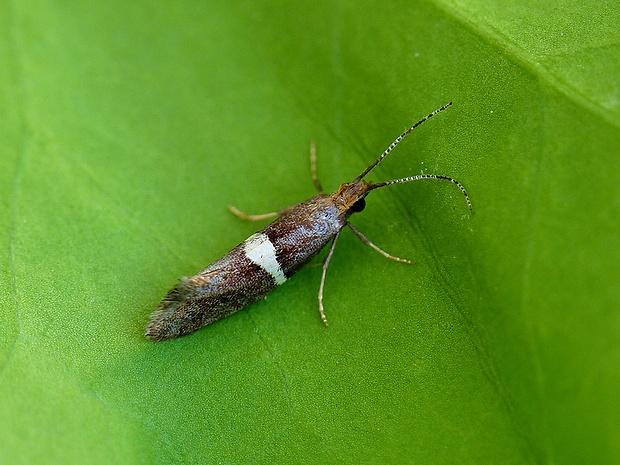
366 241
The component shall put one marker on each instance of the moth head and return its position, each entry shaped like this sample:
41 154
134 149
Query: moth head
350 197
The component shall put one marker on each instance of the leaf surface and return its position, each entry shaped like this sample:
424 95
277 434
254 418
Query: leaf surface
127 129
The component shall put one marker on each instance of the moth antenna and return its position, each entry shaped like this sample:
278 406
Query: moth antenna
398 139
427 176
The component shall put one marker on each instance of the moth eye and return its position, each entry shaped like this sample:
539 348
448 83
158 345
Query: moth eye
358 206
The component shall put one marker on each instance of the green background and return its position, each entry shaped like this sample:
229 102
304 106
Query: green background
127 127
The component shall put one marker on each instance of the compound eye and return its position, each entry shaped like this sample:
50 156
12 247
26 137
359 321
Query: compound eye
358 206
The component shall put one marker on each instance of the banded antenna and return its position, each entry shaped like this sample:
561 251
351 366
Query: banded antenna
419 176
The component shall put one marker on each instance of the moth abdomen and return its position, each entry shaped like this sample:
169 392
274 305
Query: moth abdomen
176 317
243 276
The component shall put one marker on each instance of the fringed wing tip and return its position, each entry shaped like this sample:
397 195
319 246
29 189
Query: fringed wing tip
162 326
158 327
154 330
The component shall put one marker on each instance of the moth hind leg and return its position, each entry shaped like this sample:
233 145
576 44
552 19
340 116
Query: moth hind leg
265 216
366 241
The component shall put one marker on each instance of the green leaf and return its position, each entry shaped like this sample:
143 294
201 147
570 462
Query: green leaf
127 128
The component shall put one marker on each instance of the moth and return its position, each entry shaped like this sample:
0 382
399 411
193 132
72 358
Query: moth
271 256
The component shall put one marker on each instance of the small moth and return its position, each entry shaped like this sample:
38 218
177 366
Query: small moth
271 256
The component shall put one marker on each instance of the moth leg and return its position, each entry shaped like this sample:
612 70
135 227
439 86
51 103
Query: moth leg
325 265
315 178
264 216
366 241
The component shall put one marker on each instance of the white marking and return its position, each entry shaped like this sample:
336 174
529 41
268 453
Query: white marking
259 249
